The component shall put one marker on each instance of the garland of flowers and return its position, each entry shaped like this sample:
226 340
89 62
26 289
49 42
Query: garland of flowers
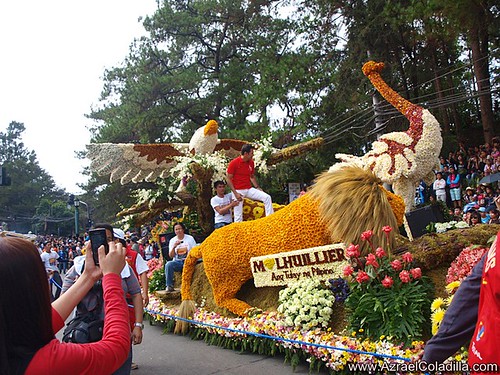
272 324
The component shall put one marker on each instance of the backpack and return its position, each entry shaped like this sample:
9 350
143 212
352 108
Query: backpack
87 326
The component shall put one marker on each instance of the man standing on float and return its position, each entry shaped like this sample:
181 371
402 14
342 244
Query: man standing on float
240 178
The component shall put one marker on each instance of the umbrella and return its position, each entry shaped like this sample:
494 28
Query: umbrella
490 178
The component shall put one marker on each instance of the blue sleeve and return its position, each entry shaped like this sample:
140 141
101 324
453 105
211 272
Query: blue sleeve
460 319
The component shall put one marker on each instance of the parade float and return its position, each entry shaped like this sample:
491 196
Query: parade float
324 279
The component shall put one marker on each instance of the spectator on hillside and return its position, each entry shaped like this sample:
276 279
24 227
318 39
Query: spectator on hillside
453 181
439 187
494 216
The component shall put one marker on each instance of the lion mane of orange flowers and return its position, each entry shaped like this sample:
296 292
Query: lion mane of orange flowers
339 207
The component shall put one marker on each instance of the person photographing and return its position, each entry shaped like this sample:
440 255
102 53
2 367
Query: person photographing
28 344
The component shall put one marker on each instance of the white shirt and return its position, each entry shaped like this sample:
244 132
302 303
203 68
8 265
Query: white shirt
50 260
221 202
188 242
439 185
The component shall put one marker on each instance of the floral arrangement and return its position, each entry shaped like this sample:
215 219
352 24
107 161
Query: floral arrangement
271 324
443 227
156 276
388 297
306 304
463 264
261 154
216 161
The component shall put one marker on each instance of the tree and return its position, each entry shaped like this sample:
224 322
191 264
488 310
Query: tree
30 183
477 20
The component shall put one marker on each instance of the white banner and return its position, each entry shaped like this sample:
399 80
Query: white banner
322 262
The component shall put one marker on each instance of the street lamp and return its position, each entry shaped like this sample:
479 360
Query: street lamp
77 215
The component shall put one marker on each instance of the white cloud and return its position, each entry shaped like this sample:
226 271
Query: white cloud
53 57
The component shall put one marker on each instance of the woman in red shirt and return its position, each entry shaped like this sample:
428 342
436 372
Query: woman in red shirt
28 322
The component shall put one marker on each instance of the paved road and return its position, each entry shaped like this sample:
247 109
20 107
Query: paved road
173 354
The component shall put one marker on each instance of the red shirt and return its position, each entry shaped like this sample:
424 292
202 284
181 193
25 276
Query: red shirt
102 357
484 344
241 171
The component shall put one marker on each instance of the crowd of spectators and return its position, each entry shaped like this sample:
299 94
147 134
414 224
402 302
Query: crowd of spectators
460 183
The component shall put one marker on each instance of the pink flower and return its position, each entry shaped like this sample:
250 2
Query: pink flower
348 270
380 252
387 282
416 273
362 277
371 261
352 251
387 229
396 265
407 257
366 235
404 276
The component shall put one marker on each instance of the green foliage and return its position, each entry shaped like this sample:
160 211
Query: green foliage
157 280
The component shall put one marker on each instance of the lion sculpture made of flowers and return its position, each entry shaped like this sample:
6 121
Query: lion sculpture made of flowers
400 158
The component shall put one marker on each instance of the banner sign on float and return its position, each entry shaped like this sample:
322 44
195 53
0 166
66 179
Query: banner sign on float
322 262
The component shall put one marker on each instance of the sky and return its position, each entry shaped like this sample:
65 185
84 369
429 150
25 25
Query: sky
53 57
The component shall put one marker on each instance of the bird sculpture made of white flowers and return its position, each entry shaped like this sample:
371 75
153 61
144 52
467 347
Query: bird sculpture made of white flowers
130 162
400 158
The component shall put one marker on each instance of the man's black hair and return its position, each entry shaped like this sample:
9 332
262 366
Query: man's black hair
246 148
218 182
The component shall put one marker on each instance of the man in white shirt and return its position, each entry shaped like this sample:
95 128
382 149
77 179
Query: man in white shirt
222 204
49 259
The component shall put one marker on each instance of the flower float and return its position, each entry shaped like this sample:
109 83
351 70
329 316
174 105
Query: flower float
400 158
283 231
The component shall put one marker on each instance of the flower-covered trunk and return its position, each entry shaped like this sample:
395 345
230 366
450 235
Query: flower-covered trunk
203 178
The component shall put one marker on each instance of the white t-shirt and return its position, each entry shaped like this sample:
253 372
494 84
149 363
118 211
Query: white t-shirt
221 202
439 186
50 260
188 242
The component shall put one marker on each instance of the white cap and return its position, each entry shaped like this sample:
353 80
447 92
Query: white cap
118 233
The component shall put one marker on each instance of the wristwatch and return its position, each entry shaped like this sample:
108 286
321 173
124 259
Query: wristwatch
140 325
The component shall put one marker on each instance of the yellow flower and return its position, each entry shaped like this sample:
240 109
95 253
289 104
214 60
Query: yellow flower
451 287
437 304
458 357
